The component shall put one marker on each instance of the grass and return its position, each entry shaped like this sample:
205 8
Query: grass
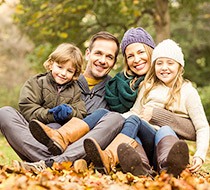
7 154
206 165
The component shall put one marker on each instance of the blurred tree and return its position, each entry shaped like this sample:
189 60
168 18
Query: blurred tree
191 28
51 22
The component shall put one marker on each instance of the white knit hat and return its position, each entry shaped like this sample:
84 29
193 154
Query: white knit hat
170 49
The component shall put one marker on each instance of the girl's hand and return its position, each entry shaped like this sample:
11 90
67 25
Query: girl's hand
146 113
196 164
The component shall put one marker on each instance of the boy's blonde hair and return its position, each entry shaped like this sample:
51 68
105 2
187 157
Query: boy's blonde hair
151 81
63 53
128 72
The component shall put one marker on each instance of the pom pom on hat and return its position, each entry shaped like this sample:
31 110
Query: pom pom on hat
136 35
170 49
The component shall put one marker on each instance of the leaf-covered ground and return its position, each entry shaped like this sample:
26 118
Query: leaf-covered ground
63 177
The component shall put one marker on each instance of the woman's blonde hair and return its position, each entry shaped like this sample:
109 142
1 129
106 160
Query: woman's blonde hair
151 81
62 54
127 71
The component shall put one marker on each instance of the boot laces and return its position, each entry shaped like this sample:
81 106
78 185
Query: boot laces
35 167
111 159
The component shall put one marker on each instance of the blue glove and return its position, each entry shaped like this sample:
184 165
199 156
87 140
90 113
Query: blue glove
61 112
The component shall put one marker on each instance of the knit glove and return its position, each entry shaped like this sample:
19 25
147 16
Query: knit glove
61 112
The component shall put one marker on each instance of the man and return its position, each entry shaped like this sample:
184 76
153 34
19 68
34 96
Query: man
101 55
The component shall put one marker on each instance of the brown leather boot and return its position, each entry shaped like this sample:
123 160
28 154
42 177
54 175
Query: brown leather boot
172 155
134 160
105 160
58 140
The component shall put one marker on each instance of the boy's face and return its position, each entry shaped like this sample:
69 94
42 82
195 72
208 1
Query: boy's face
101 58
63 73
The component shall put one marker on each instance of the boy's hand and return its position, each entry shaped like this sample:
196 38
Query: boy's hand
61 112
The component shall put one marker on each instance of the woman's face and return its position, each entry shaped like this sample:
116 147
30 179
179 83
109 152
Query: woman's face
137 58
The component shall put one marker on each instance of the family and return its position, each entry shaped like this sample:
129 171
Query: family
137 120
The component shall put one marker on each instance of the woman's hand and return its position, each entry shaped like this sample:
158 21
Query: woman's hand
196 164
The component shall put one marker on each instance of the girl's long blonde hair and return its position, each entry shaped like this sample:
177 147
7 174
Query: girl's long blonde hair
151 81
128 72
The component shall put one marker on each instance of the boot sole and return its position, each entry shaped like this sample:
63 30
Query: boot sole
133 164
39 134
178 158
92 152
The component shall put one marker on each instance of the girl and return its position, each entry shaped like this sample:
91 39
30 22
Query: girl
164 86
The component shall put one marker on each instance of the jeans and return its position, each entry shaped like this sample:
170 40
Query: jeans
163 132
94 117
145 134
150 137
130 127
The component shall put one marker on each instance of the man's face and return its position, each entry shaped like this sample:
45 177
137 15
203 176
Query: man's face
101 59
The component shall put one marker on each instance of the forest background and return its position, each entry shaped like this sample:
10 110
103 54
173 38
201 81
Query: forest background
30 30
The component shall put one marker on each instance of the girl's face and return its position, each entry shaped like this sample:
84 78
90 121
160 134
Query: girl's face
166 70
137 58
62 73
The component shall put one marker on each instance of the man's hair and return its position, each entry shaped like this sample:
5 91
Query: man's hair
106 36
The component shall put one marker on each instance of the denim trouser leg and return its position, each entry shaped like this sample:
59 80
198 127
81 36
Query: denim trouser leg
163 132
131 125
137 139
147 134
93 118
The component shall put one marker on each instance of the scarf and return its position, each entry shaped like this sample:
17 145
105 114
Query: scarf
119 95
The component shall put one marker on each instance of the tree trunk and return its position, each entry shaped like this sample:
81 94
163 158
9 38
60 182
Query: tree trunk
162 20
